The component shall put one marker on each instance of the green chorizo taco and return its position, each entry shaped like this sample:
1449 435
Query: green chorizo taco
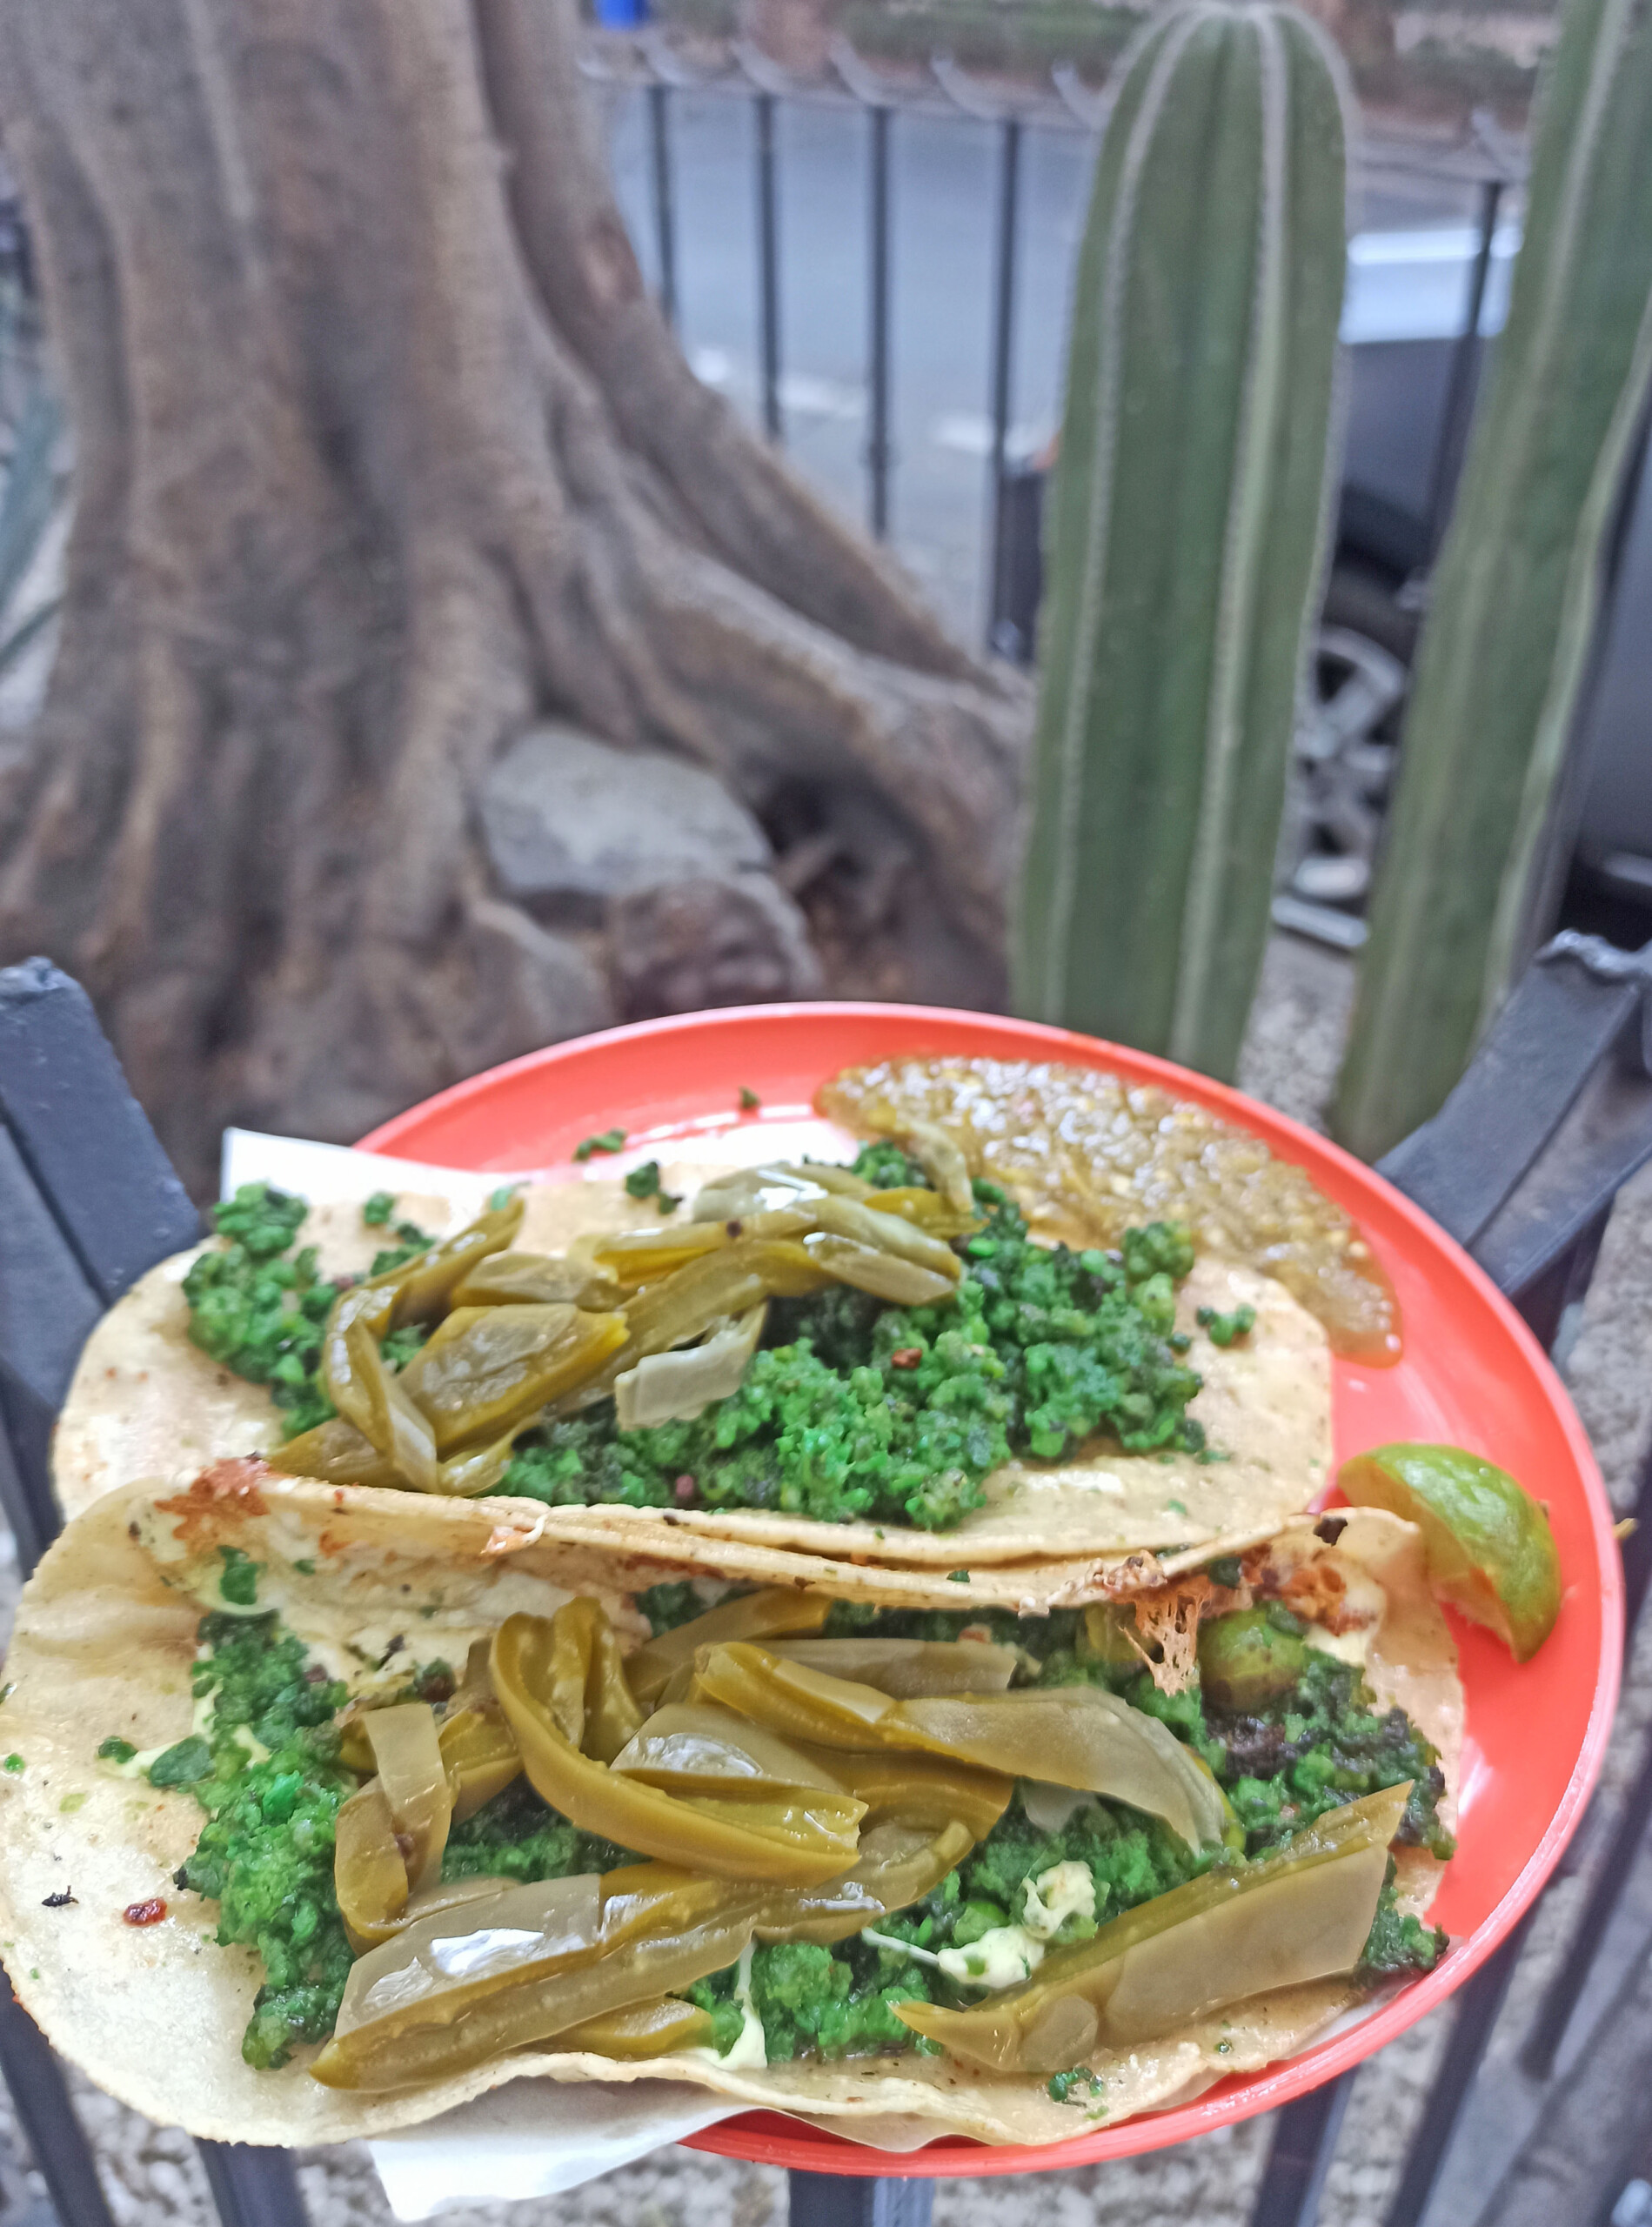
880 1364
325 1809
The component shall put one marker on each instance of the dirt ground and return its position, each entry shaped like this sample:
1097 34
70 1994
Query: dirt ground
151 2173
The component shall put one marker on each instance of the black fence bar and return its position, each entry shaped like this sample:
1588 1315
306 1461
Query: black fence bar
1299 2157
1637 1551
1009 175
844 2200
1465 362
1542 2044
1068 112
664 210
768 266
252 2187
1479 2002
40 2097
878 450
1548 2031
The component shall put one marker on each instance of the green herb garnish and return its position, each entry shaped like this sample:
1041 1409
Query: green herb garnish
609 1140
260 1315
239 1581
1223 1330
411 1241
182 1764
644 1183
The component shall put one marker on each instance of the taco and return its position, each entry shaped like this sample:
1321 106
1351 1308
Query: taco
873 1364
325 1809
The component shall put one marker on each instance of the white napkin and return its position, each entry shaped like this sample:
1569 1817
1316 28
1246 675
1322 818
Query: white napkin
335 1174
331 1174
535 2137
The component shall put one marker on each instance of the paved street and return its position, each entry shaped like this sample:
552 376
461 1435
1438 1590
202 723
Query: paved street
943 194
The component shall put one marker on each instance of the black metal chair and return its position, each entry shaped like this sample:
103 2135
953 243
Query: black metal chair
1521 1166
1524 1176
88 1200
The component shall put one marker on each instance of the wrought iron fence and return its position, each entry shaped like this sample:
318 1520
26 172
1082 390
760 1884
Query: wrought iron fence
649 65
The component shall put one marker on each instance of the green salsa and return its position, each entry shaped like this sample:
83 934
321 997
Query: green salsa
262 1316
268 1774
266 1852
857 1410
853 1409
258 1313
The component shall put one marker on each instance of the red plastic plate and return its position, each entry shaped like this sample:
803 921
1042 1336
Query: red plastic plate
1472 1375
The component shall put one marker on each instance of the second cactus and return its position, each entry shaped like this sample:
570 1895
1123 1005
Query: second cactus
1516 596
1186 532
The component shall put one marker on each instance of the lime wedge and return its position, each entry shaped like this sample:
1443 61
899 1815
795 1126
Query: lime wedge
1490 1551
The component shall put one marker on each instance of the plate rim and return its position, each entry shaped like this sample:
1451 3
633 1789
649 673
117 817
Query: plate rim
1241 2096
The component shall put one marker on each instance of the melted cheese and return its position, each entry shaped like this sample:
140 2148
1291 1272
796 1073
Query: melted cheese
1348 1647
136 1766
750 2053
1009 1954
1003 1958
1065 1890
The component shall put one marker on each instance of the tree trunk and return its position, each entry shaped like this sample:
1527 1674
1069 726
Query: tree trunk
381 452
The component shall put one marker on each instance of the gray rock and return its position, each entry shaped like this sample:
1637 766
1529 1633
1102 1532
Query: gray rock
730 940
528 987
568 818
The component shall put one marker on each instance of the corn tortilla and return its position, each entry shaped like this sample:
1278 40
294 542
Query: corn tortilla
146 1403
104 1639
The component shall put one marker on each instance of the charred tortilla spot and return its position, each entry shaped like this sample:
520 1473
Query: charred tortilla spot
220 1500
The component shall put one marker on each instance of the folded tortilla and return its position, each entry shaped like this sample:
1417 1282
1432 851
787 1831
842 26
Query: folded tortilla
104 1639
146 1403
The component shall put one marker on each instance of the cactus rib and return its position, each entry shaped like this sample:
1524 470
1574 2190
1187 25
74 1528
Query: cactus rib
1247 520
1056 946
1186 528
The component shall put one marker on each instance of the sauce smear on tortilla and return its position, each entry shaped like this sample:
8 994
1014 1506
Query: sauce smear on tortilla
1087 1154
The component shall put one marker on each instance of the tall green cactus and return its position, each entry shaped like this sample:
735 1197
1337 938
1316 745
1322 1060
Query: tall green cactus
1188 521
1517 591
